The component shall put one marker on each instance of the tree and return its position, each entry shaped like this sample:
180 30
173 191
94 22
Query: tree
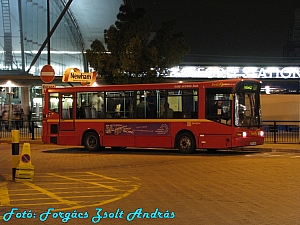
130 56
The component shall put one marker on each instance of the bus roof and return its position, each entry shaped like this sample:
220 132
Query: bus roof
177 85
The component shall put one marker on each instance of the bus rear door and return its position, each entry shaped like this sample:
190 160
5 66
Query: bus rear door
67 119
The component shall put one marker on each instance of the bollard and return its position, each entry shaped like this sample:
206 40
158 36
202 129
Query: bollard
15 152
32 130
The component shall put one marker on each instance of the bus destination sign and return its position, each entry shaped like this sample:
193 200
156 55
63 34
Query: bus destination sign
250 87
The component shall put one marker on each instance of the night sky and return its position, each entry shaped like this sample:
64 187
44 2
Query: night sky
228 28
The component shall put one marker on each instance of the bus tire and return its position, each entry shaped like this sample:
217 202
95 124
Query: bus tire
91 141
186 143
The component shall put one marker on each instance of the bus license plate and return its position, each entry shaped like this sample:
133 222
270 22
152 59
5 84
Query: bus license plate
253 143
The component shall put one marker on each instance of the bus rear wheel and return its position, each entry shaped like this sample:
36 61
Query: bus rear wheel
91 141
186 143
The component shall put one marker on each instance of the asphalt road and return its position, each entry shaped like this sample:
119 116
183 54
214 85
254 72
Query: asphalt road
72 186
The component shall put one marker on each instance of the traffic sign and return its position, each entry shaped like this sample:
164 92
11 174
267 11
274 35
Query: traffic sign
45 86
25 158
47 74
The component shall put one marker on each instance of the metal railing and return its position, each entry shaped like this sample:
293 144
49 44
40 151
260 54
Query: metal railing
27 129
282 131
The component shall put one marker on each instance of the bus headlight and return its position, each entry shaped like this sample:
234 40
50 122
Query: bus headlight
241 134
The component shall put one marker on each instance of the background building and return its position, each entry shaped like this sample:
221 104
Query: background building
292 49
24 27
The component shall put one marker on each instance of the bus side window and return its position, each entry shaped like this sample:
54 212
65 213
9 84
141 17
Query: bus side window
218 105
190 104
67 103
79 112
152 108
183 102
53 102
125 104
142 108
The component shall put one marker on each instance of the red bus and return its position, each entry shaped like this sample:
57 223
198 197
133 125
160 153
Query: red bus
194 115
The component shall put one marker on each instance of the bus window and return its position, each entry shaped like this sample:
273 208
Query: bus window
152 99
53 102
112 104
67 103
190 104
184 103
173 107
85 98
142 108
98 101
126 100
218 105
161 96
88 105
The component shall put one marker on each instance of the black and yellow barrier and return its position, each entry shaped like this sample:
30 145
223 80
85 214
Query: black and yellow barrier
15 151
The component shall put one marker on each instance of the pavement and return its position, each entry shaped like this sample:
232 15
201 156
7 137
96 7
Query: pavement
275 147
266 147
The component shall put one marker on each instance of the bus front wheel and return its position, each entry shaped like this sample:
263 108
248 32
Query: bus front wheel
186 143
91 141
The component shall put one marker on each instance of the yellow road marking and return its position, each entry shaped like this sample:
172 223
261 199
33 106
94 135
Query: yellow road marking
50 194
105 177
4 197
86 182
71 205
135 187
43 203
